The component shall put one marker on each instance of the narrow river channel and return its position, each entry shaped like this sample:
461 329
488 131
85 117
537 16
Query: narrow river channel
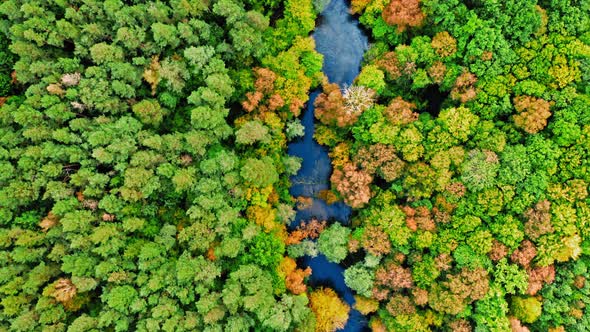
341 41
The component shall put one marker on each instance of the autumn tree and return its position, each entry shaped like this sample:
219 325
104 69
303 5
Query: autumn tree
464 89
353 184
444 44
331 312
380 159
532 113
403 14
401 112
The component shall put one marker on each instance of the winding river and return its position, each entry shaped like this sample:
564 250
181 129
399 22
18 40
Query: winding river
341 41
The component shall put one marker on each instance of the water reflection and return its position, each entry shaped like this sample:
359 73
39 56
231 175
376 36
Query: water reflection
339 38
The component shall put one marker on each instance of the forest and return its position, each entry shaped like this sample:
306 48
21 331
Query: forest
144 171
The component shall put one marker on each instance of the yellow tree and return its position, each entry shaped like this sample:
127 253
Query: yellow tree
330 311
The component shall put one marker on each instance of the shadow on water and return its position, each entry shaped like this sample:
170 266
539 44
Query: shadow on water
339 38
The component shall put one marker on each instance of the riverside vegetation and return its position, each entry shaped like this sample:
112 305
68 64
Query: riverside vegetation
144 174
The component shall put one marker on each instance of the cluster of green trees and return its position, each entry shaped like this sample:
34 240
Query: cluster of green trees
144 176
468 166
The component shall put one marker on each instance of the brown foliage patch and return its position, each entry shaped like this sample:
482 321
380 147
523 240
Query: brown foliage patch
538 277
294 277
375 241
516 325
443 262
303 202
460 325
334 108
437 72
419 218
353 184
400 305
381 159
309 230
403 14
533 113
444 44
252 101
524 254
275 102
265 79
64 290
400 112
420 296
394 277
538 220
390 64
499 251
48 222
469 284
464 89
152 74
579 282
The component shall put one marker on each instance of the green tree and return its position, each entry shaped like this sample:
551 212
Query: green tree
259 172
333 242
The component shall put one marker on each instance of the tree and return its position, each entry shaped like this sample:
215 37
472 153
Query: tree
380 159
357 99
538 220
252 132
479 170
533 113
294 277
333 242
375 241
527 309
371 77
400 112
360 279
259 172
331 312
464 89
510 277
403 14
444 44
329 107
352 184
149 112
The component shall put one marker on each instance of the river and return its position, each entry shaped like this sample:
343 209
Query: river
339 38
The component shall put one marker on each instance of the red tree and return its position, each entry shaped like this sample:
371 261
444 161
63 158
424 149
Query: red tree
309 230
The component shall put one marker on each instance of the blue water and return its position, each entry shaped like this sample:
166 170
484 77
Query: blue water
341 41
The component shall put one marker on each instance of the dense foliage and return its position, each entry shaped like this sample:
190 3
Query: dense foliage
469 166
144 177
136 194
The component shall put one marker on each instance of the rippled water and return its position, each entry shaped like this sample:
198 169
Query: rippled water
341 41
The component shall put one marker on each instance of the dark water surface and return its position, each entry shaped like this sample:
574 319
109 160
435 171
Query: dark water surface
341 41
